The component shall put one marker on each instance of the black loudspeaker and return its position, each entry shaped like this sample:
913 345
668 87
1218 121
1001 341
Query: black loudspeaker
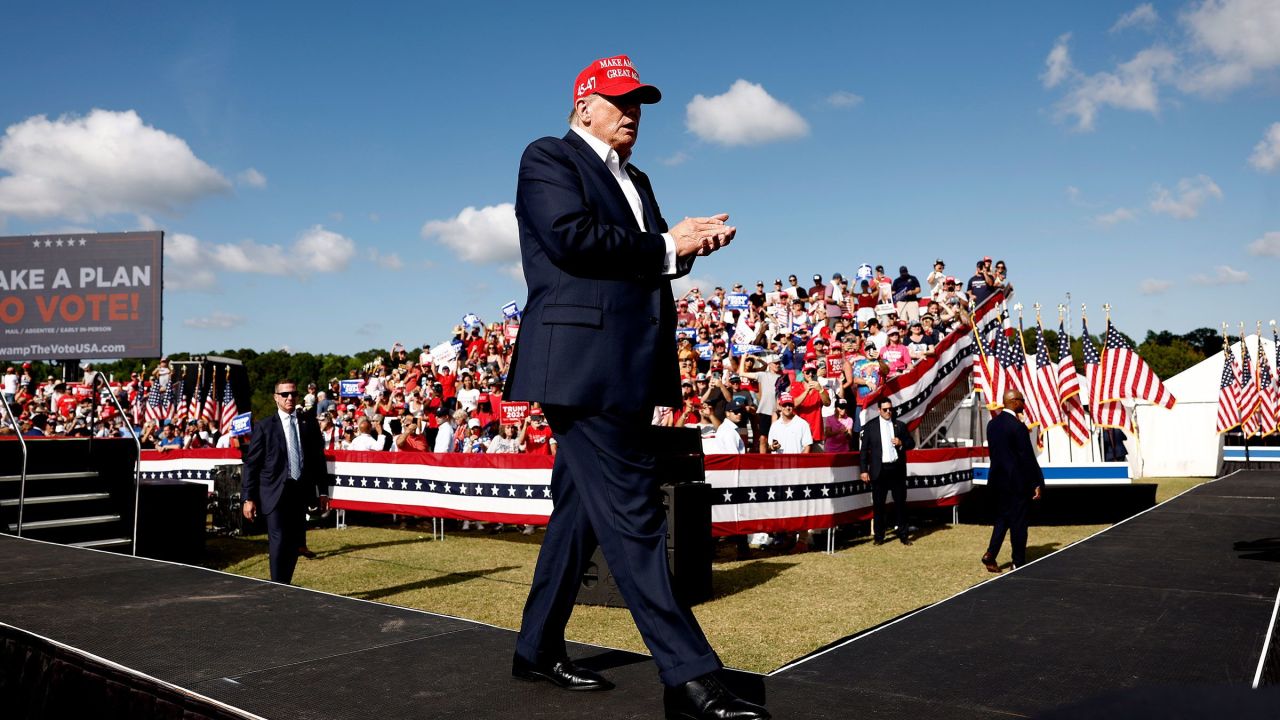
687 500
226 506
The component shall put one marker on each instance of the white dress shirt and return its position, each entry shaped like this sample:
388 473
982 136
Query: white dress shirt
618 168
291 434
888 453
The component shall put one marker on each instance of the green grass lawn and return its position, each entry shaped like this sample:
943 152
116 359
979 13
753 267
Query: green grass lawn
801 602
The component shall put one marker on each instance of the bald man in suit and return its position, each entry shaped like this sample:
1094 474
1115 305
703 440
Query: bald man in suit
1015 479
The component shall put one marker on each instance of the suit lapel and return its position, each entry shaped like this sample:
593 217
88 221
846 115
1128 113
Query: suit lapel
621 209
647 201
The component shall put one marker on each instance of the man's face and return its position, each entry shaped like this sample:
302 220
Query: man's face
788 410
616 121
792 280
886 410
286 397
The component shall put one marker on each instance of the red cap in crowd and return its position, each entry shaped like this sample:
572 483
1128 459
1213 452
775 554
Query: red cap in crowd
786 399
612 77
836 345
810 366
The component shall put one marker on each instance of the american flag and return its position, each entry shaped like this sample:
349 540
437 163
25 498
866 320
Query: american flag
988 378
1268 415
154 411
1009 375
1248 390
1046 382
1105 413
1124 374
210 411
195 397
179 410
1023 378
229 410
1228 399
1069 391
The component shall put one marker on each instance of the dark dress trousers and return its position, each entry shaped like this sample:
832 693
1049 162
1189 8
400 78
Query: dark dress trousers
1015 474
886 477
282 501
597 348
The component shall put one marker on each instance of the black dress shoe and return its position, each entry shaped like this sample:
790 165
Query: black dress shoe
708 699
879 541
990 563
904 541
562 673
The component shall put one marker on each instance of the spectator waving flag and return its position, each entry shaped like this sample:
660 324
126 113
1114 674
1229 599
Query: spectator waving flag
1046 383
1069 391
1124 374
229 410
1248 390
1228 399
1106 413
1268 409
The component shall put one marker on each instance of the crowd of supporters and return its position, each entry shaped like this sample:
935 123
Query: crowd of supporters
763 369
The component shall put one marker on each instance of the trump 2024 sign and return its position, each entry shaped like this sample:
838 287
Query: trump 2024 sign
81 296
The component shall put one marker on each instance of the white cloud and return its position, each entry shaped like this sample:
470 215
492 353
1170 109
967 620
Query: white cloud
191 264
1268 244
676 159
489 234
1237 38
1152 286
390 261
1222 275
745 115
252 178
1073 193
681 286
1266 154
1133 85
1142 16
217 320
1118 215
844 98
100 164
1057 66
1191 195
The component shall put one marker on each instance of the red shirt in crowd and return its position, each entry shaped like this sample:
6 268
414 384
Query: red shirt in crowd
447 381
809 408
537 441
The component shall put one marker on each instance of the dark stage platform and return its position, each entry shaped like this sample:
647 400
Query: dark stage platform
1157 611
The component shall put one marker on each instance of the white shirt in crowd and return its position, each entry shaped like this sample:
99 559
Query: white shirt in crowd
794 435
11 383
469 399
832 384
444 438
727 439
224 441
365 441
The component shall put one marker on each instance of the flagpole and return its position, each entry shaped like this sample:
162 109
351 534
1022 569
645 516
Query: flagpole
1070 450
1093 403
1275 372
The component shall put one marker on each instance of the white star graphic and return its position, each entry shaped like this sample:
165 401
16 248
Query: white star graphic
82 242
528 491
35 243
417 484
376 483
826 492
404 484
751 495
808 492
546 491
448 488
48 243
771 493
462 489
728 496
790 492
495 489
364 482
511 491
59 243
432 486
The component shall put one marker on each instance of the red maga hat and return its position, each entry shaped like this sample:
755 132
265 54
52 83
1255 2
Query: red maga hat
612 77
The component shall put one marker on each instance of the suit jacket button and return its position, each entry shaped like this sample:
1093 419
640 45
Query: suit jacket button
653 320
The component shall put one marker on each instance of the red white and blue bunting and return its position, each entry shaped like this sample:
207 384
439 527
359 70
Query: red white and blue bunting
751 493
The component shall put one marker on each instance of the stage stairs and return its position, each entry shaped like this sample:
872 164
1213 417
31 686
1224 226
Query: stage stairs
77 491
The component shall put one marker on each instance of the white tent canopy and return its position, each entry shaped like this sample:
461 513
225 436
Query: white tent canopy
1184 441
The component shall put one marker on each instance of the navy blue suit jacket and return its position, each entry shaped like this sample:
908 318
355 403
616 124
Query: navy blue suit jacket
1014 468
598 329
870 452
266 465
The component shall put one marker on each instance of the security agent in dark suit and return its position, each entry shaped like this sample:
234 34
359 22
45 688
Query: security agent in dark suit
597 349
284 471
1015 480
885 443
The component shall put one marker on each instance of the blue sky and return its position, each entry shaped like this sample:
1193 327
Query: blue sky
312 164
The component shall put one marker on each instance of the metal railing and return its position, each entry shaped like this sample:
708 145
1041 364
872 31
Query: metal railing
22 487
943 411
137 469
